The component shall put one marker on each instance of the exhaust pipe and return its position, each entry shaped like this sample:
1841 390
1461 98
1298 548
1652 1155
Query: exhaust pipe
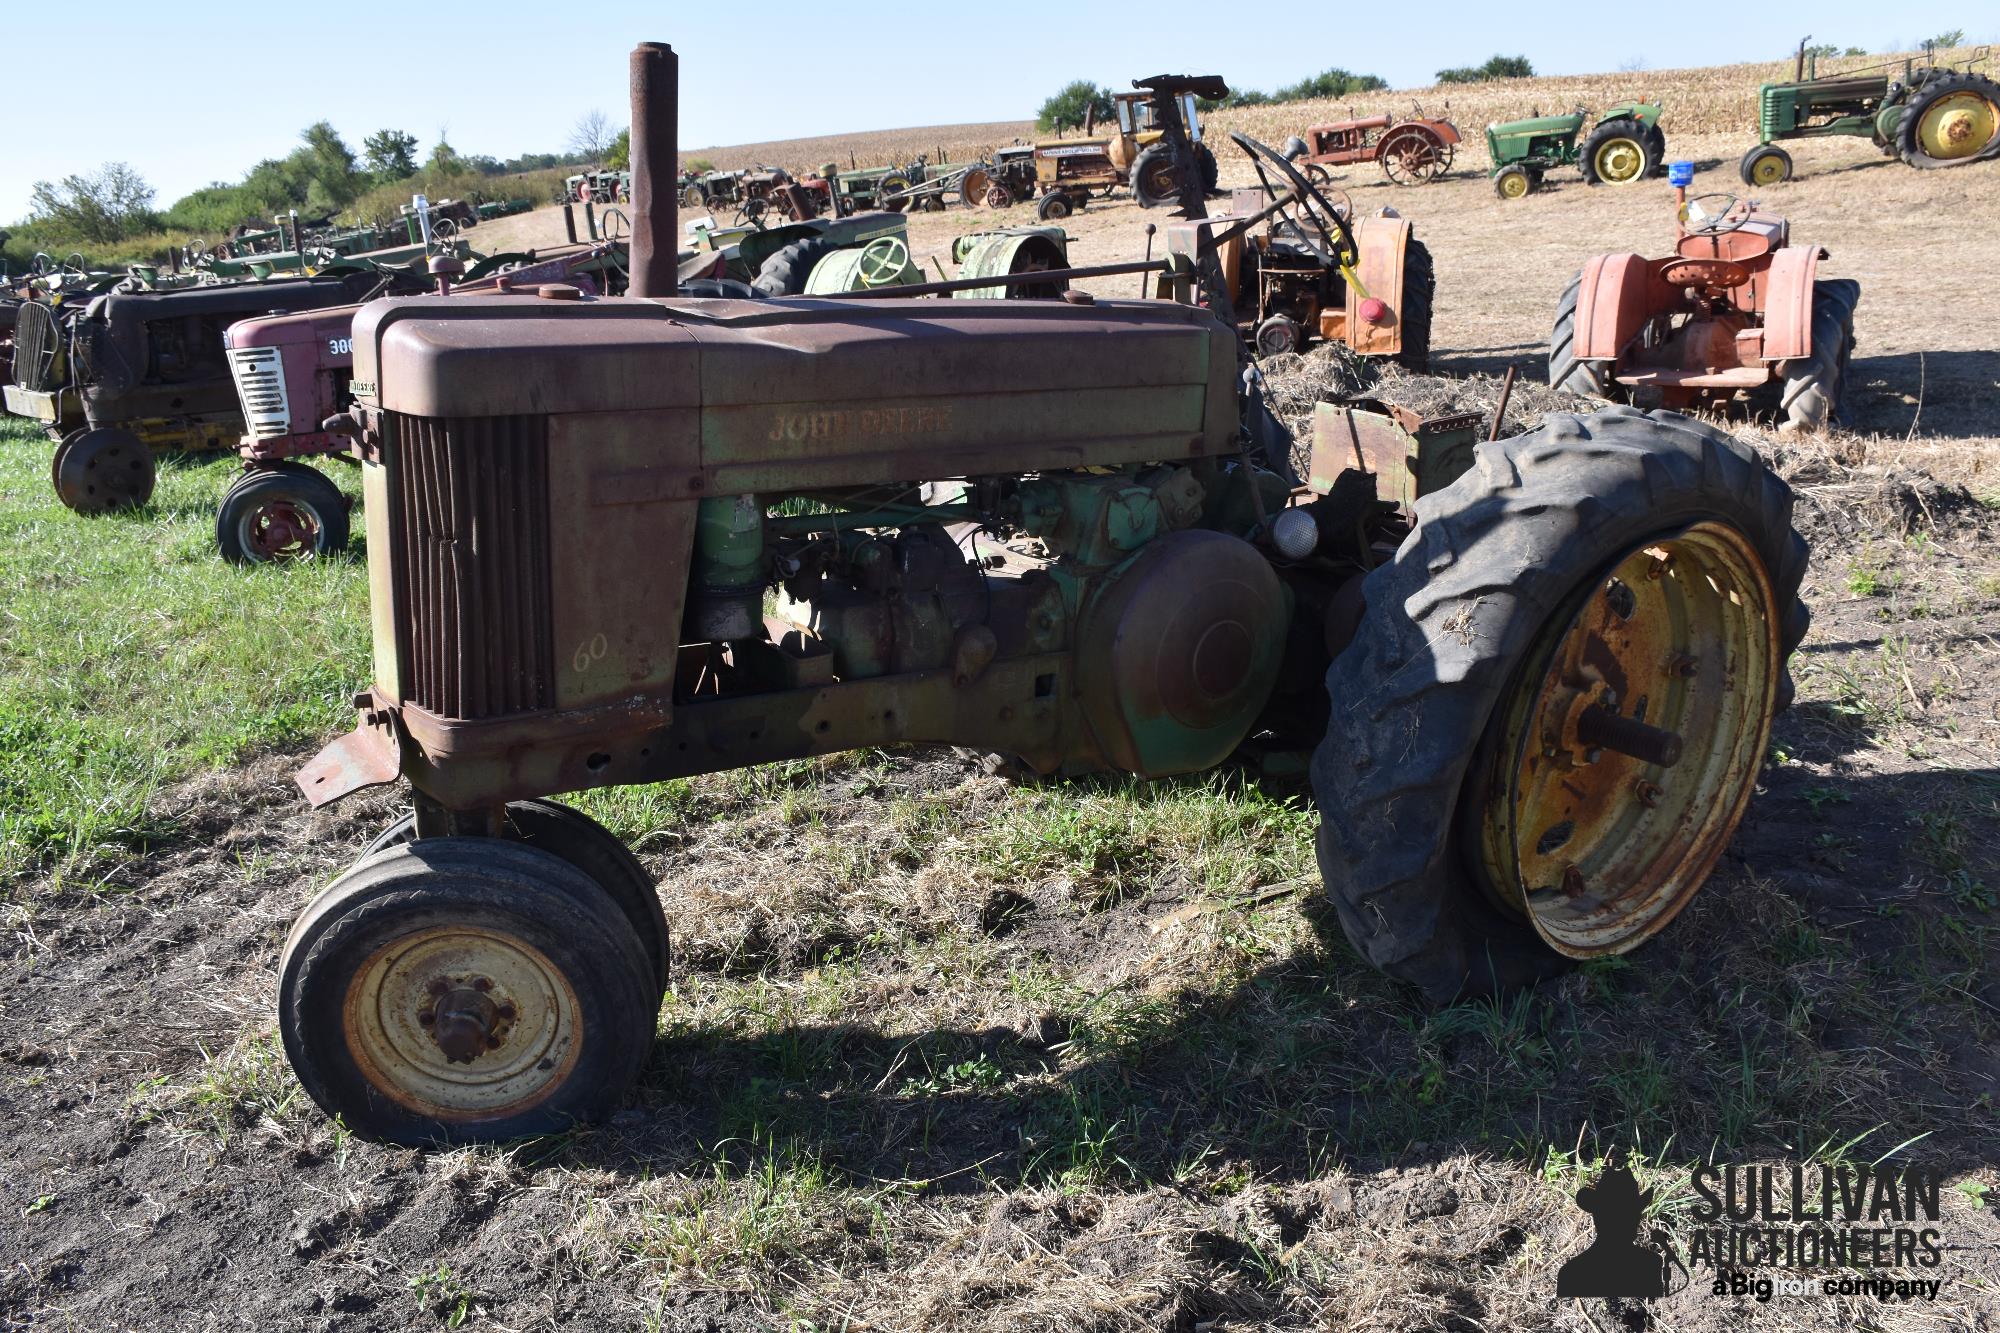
655 161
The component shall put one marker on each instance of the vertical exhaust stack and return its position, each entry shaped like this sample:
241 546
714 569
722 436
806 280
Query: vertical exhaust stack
655 154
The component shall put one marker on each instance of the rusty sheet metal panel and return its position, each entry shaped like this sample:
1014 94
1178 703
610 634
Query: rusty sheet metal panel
1380 268
1372 442
470 556
621 531
1788 303
1613 302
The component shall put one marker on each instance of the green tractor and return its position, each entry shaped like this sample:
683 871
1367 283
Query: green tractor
1930 115
858 252
1624 145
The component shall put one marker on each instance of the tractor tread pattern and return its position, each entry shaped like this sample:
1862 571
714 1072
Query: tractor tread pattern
1419 300
1592 379
1622 127
1910 148
1814 387
786 272
1446 621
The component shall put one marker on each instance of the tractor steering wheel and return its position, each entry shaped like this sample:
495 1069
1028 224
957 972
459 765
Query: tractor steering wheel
1314 213
1700 218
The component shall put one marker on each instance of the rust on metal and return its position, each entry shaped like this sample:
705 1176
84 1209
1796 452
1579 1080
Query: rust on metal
655 155
1619 779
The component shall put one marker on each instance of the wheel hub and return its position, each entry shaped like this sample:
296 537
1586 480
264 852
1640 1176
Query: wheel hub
1629 750
462 1022
1959 125
1618 161
279 530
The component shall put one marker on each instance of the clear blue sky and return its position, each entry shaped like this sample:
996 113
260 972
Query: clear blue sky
194 95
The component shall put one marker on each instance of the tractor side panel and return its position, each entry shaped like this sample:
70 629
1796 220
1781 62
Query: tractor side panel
1380 268
1616 298
621 542
1788 303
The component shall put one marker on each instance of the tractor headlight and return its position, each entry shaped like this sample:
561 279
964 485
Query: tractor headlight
1294 534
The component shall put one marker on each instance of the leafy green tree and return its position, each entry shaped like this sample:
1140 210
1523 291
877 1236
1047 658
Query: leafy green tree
1946 40
618 157
329 168
1073 104
1329 83
1496 67
108 204
444 159
391 154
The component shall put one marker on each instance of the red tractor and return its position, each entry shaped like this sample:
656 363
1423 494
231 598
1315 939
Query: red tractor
1415 151
1736 314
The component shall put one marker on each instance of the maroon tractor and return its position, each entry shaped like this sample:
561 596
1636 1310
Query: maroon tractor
1414 151
1738 314
621 540
293 374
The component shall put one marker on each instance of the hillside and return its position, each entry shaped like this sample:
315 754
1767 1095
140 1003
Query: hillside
1715 99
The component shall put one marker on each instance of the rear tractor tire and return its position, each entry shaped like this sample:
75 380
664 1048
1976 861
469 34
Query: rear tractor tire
462 990
1618 152
1419 299
1954 120
1813 389
1156 178
287 511
1558 700
1592 379
786 272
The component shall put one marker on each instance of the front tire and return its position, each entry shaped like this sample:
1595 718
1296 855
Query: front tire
582 842
1765 165
1505 567
285 512
464 990
1419 300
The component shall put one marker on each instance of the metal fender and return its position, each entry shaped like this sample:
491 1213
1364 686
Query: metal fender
1382 242
1788 302
1613 303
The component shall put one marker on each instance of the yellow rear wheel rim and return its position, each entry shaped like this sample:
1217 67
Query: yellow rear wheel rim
1957 125
1599 848
1620 161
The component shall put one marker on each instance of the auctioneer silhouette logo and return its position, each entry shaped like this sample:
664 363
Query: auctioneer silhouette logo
1615 1264
1760 1239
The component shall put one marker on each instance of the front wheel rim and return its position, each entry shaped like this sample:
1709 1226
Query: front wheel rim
279 530
1619 161
1514 185
1768 170
463 1023
1599 842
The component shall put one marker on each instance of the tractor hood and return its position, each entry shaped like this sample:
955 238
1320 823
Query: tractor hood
805 392
1538 125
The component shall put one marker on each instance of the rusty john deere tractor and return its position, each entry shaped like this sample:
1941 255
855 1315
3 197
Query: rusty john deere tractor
619 540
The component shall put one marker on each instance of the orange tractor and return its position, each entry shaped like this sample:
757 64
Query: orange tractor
1737 314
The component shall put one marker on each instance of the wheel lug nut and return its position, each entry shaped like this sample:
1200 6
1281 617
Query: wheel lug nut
1649 794
492 1043
1684 666
481 983
438 986
1572 882
506 1011
427 1018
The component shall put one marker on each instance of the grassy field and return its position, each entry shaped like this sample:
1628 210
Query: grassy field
944 1052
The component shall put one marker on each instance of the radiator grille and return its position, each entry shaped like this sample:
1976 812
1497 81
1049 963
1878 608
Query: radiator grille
35 344
471 569
260 389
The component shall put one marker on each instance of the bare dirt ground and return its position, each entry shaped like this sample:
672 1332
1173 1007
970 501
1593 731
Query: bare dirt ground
944 1053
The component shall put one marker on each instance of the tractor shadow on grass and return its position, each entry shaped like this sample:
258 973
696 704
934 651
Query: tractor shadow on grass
1948 393
1835 969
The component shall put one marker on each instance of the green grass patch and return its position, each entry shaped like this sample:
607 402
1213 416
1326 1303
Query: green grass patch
132 655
